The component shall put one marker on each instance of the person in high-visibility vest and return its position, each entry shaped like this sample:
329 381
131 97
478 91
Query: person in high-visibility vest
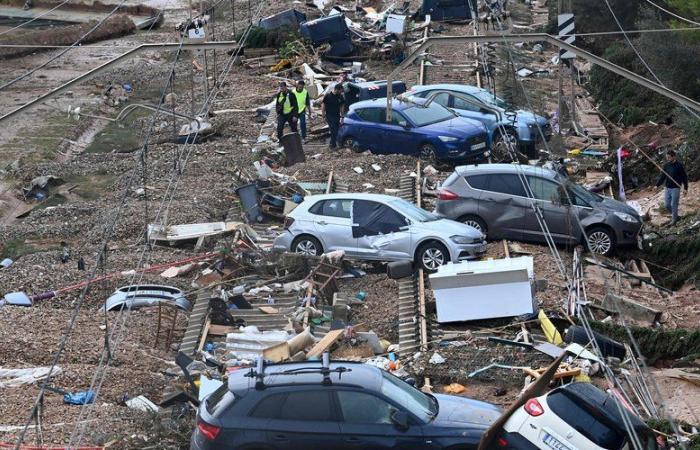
304 105
287 109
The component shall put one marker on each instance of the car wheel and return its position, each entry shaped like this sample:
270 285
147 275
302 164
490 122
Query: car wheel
431 256
474 221
351 143
601 241
426 152
501 148
307 245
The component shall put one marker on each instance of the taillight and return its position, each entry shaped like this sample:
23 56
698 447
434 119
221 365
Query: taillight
446 194
533 407
501 442
288 221
207 430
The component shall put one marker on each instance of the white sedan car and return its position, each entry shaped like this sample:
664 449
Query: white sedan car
377 227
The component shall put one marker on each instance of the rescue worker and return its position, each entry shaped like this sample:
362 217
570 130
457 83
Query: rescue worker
287 110
672 178
303 106
332 109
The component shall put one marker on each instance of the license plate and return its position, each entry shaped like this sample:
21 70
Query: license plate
478 146
553 442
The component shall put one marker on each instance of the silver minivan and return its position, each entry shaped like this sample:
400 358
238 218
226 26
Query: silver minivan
495 199
377 227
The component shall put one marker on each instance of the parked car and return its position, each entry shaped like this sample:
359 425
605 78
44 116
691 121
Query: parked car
493 198
377 227
432 132
524 128
575 416
347 405
368 90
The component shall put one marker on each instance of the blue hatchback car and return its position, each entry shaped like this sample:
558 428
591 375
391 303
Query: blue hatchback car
524 128
432 132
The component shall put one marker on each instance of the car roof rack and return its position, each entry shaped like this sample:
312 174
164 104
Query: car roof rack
259 372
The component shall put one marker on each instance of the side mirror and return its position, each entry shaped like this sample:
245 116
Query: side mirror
400 419
486 111
403 123
411 381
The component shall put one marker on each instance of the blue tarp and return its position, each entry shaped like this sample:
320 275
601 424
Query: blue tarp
79 398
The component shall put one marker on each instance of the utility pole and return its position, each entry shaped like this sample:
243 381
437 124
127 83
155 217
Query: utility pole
561 82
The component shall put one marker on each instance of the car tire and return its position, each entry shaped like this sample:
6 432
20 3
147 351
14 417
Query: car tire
426 152
351 143
307 245
474 221
431 255
601 241
500 150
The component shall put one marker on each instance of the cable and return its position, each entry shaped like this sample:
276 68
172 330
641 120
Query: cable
35 18
63 52
116 341
671 13
636 52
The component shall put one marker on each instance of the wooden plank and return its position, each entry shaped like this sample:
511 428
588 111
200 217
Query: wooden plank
505 248
277 353
421 309
221 330
325 343
205 332
268 309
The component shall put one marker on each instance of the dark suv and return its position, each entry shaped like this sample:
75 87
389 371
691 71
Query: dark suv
337 405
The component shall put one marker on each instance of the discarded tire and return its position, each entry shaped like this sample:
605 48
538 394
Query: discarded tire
399 269
608 347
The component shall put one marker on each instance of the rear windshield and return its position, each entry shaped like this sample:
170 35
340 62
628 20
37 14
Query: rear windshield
220 400
586 420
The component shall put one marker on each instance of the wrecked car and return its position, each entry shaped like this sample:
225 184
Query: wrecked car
524 128
140 296
339 405
430 131
494 199
578 415
377 227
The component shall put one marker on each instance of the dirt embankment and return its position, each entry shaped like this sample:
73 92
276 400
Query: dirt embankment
115 26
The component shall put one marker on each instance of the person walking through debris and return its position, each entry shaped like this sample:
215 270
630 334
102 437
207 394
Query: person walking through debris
287 110
303 105
672 177
332 109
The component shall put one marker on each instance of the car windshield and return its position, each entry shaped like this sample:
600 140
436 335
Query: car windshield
412 211
413 400
581 192
426 115
490 99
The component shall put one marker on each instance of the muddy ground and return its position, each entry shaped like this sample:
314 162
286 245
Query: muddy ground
102 177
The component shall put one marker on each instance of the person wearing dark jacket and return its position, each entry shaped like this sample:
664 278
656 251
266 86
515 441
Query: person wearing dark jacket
332 108
672 177
287 109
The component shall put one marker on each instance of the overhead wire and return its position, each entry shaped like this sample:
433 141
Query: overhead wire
624 413
672 13
104 363
66 50
108 230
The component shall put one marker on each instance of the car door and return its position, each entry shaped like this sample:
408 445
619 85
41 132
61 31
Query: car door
365 423
558 216
382 233
333 224
371 131
304 418
504 206
398 136
467 106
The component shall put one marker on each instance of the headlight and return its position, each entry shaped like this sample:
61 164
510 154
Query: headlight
626 217
447 138
463 239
